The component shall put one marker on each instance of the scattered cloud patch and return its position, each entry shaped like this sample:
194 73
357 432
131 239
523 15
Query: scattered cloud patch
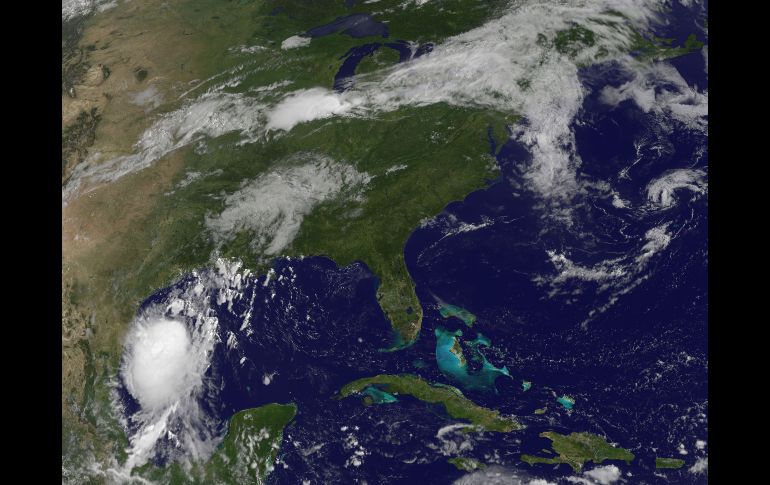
149 98
308 105
614 277
701 466
453 439
661 191
295 41
498 475
603 475
78 8
661 90
212 115
273 206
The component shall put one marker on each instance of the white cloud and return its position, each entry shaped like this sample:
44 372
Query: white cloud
159 359
603 475
308 105
661 191
75 8
295 41
479 68
454 439
273 206
212 115
498 475
149 98
657 240
604 271
661 90
166 355
701 466
395 168
616 276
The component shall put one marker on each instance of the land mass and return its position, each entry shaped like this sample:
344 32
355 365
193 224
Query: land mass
576 449
466 464
246 455
456 404
668 463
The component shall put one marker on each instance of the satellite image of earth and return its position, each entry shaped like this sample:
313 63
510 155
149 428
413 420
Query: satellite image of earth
384 242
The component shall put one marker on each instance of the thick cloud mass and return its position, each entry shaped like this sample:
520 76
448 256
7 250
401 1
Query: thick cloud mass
159 363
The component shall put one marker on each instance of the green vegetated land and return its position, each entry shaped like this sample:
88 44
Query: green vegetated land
573 40
576 449
466 464
668 463
456 404
268 23
246 455
447 311
446 156
657 48
254 437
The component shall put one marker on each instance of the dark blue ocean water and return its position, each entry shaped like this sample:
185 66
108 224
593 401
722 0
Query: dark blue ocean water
637 370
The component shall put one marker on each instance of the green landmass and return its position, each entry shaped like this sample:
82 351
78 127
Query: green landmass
447 311
378 396
457 351
447 18
572 40
453 400
466 464
395 203
373 228
541 410
576 449
254 437
246 455
646 48
668 463
658 48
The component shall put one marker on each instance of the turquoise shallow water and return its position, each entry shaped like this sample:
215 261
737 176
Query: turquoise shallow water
456 366
448 311
379 396
566 401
